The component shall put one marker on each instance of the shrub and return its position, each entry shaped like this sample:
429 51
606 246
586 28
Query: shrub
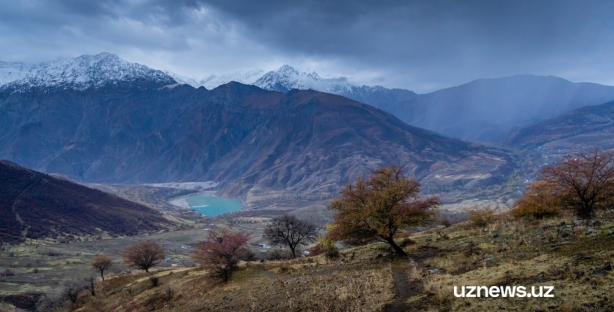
279 254
532 210
155 281
481 217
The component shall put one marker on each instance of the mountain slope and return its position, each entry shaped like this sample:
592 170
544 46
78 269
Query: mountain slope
246 138
589 126
488 109
36 205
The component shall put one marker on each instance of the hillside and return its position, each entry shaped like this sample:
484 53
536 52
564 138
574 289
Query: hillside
37 206
586 126
504 253
249 140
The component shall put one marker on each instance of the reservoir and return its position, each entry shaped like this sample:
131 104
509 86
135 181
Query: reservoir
210 205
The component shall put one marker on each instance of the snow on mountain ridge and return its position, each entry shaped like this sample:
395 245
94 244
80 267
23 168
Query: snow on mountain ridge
79 73
287 78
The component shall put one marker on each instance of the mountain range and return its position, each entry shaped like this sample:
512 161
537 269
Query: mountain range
136 129
484 110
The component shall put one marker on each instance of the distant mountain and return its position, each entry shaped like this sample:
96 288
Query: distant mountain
287 78
586 126
80 73
486 110
214 81
248 139
36 205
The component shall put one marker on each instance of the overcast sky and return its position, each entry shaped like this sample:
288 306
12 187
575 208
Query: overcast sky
417 45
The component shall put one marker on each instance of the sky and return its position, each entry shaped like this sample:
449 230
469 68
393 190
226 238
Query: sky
417 45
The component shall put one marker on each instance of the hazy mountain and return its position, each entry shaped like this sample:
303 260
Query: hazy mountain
214 81
36 205
484 110
246 138
488 109
589 126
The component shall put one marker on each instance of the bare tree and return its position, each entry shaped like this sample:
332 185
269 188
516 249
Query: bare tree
70 290
90 284
101 263
582 182
221 252
144 255
288 230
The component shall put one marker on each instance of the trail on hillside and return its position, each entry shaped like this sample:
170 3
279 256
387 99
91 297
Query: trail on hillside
403 287
268 274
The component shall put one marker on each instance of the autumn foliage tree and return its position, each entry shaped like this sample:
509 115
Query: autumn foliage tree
288 230
539 201
144 255
101 263
581 182
221 252
375 209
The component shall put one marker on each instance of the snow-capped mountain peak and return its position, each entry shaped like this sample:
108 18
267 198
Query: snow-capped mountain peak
79 73
287 78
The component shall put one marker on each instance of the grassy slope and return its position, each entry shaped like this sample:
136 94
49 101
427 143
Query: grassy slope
507 253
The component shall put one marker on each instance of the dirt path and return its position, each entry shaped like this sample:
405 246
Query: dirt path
403 287
268 274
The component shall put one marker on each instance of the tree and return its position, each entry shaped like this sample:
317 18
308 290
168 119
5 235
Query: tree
375 209
288 230
144 255
539 201
581 182
70 290
221 252
101 263
91 284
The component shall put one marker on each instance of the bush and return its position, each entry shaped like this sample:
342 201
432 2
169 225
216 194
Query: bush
539 201
481 217
532 210
326 247
155 281
279 254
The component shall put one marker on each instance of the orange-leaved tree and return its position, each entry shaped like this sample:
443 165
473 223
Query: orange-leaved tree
539 201
377 208
582 182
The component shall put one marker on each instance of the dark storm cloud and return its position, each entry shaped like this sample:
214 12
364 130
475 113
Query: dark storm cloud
455 40
420 45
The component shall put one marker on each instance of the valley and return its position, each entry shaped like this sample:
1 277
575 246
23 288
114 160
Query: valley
119 153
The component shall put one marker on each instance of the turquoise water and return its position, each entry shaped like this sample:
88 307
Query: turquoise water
213 205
